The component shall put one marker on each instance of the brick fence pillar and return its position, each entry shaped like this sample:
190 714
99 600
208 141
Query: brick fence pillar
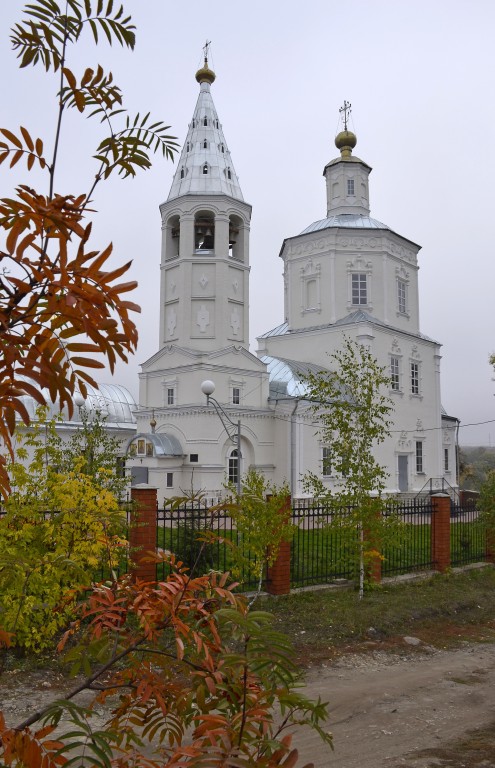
142 532
440 531
278 574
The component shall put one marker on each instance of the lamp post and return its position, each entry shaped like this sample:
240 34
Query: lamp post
232 428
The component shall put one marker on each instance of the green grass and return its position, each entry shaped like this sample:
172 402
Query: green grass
322 555
324 619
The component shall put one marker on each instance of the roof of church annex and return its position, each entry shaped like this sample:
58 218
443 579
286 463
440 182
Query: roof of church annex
358 316
205 166
112 401
287 376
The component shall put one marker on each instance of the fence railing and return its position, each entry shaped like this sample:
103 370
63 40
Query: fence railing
202 539
322 551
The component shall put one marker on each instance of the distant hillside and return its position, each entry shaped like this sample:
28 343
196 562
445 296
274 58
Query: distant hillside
475 463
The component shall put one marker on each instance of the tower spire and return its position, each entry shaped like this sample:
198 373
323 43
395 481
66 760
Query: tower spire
205 165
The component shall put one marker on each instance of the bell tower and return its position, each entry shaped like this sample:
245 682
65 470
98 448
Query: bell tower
204 289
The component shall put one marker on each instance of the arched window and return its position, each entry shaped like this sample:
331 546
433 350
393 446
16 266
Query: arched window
182 173
216 124
229 175
205 121
222 147
233 466
205 169
187 147
205 144
194 123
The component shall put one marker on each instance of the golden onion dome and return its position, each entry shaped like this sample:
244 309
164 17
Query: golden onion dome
345 141
205 74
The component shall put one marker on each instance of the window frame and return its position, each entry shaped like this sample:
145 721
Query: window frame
233 466
419 458
414 378
169 483
395 373
326 461
401 296
236 395
358 280
351 188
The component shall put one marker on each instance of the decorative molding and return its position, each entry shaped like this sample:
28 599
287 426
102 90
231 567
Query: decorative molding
396 350
402 273
359 264
404 442
202 318
235 321
415 354
203 281
171 321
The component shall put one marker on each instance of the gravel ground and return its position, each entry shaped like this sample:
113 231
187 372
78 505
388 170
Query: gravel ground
417 707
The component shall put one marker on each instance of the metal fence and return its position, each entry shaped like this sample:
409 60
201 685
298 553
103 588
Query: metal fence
203 538
467 535
409 548
323 550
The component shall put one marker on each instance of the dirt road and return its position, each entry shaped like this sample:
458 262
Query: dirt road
384 707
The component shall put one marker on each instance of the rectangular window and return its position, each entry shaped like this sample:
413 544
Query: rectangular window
194 458
419 458
149 449
415 378
170 479
401 296
350 187
141 447
359 288
446 460
326 464
236 395
170 396
394 374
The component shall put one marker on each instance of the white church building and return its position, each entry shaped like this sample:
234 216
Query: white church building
344 274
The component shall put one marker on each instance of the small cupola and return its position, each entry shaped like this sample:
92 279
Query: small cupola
347 175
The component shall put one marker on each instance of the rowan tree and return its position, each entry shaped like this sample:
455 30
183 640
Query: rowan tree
60 303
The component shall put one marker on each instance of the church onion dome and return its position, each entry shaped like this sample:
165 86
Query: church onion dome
205 74
345 141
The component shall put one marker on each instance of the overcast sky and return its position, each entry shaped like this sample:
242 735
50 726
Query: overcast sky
420 78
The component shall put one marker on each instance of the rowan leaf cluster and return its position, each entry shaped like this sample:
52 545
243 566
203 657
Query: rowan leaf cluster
191 675
64 308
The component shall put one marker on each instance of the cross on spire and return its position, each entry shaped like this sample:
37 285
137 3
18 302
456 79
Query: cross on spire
206 50
346 110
